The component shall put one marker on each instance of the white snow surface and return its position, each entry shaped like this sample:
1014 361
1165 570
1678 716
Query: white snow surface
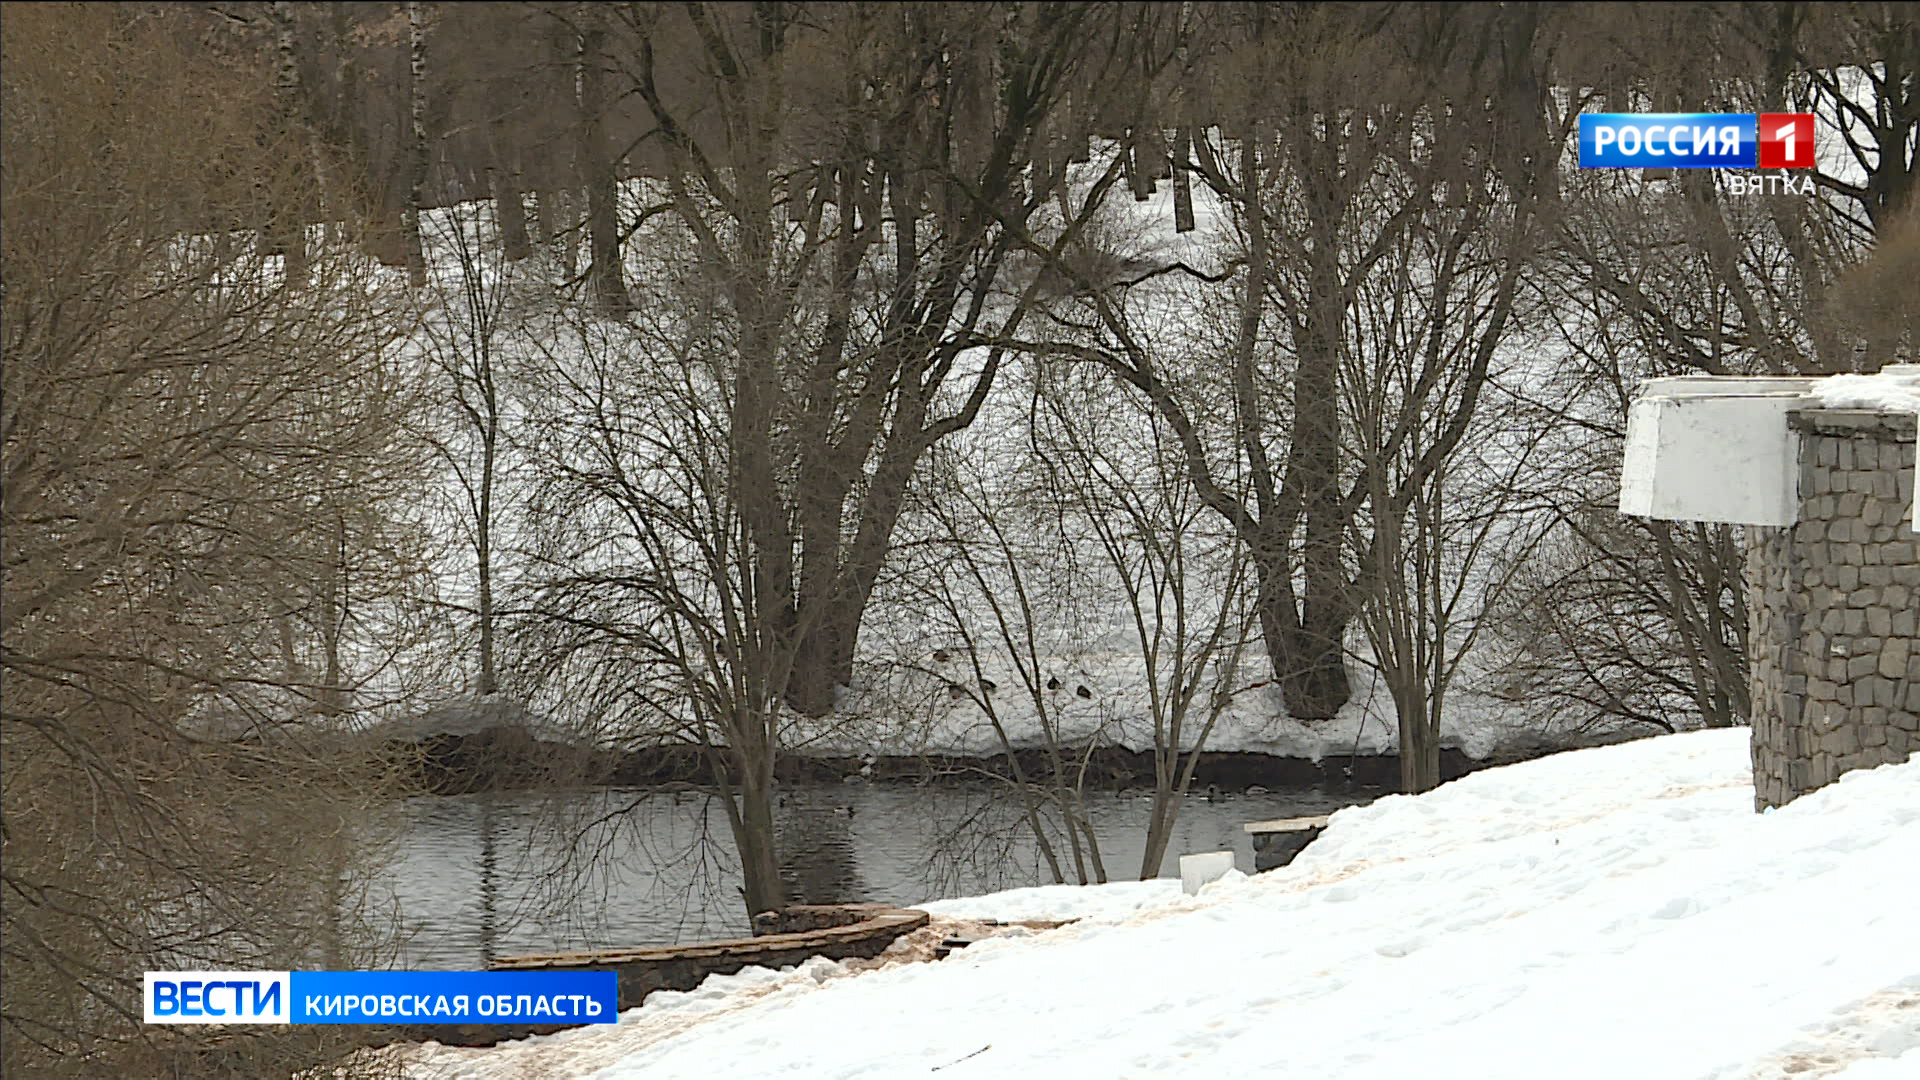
1114 901
1118 712
1896 389
1605 913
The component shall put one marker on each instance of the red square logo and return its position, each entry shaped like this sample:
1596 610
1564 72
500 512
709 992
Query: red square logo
1786 141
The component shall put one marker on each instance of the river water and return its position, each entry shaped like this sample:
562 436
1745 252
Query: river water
494 874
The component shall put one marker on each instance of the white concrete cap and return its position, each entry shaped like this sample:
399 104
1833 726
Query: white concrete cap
1199 870
1695 457
1717 448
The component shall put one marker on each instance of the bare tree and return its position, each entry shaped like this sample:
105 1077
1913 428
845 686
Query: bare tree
1445 551
827 240
1119 474
918 139
194 453
465 333
646 597
1061 544
1005 590
1322 184
1616 619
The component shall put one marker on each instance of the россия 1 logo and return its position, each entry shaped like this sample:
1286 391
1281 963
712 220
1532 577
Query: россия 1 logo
1696 141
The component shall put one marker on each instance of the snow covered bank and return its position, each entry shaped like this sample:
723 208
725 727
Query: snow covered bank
1116 901
1617 912
913 714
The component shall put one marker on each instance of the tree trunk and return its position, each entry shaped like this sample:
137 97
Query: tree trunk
1182 185
754 837
1316 684
540 222
286 234
347 125
823 661
1419 743
333 603
839 577
1309 665
416 144
605 277
558 221
608 281
1166 810
483 545
489 887
333 939
510 214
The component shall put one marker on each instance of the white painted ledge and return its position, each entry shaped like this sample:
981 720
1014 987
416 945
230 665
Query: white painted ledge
1717 448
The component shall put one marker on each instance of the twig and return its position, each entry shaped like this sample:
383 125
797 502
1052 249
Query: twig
957 1061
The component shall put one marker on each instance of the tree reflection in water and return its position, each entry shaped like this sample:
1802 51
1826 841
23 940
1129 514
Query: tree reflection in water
513 872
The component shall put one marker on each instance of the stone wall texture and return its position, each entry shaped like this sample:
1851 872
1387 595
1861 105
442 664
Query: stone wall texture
1832 603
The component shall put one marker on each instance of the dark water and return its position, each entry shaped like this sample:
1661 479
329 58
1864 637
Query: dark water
503 873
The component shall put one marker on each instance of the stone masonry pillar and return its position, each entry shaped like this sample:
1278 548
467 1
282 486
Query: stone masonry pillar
1832 605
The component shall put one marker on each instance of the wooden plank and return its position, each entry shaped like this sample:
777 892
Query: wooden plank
891 924
1291 824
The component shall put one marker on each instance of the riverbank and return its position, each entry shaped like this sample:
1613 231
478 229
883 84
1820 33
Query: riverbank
1612 912
508 758
495 744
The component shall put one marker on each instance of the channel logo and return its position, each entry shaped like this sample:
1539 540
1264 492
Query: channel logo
382 997
1696 141
1786 140
218 997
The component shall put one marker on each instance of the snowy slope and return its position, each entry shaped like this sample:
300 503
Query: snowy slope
1608 913
1119 713
1088 641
